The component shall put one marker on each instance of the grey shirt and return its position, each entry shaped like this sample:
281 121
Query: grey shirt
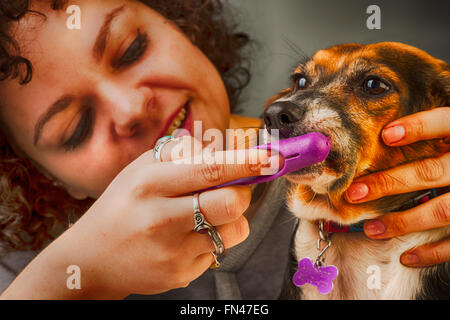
254 269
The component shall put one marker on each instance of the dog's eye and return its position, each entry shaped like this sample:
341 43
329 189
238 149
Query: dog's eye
301 82
375 86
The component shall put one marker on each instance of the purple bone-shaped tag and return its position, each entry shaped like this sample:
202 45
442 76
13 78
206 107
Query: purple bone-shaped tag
322 277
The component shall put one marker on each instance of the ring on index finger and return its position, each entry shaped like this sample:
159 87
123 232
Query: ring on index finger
159 146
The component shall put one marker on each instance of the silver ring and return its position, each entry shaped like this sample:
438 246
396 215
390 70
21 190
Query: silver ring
200 223
159 146
217 241
203 226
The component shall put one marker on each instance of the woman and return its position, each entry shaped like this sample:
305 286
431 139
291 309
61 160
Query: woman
85 106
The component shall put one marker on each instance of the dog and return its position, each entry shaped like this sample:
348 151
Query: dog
349 92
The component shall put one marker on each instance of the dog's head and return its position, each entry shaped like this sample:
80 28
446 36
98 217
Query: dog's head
349 93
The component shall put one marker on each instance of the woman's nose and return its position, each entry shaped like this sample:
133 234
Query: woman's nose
129 108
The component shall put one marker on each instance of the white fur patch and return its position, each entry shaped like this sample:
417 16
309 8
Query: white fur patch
354 253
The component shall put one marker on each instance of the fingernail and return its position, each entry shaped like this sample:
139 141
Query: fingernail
410 258
357 191
374 228
394 134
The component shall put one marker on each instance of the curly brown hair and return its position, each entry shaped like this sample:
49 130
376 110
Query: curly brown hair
31 205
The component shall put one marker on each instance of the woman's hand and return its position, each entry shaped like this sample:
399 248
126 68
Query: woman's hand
426 174
138 236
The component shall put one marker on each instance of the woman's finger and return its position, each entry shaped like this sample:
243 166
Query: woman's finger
219 206
232 234
201 264
419 175
427 254
426 125
181 148
188 177
432 214
174 149
201 244
192 270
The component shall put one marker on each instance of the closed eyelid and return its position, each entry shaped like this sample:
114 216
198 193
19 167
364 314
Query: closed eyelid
82 130
59 106
139 44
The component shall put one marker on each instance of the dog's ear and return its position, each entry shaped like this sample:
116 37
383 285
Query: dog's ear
438 96
440 88
445 79
277 96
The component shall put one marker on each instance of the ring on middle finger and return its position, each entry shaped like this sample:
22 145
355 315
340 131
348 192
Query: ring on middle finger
217 241
200 224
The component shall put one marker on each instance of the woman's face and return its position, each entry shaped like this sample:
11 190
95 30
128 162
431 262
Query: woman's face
102 95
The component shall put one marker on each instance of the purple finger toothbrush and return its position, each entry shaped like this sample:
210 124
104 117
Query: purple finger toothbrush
298 152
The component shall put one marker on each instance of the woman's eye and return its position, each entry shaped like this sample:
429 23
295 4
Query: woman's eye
82 131
375 86
134 51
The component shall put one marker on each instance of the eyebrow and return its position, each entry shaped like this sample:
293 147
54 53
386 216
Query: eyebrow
105 30
60 105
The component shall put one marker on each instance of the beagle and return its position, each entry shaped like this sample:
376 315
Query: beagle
350 92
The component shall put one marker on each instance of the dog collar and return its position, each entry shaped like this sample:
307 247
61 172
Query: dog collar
333 227
424 197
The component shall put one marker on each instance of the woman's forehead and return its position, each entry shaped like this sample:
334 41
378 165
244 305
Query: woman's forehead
57 53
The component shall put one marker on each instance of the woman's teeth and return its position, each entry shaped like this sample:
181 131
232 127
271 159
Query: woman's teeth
177 122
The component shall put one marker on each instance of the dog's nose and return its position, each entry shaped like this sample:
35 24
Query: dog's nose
283 116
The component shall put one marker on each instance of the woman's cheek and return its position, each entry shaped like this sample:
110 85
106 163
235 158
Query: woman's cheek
88 175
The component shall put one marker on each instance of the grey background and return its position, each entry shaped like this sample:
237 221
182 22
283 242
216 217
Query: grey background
312 25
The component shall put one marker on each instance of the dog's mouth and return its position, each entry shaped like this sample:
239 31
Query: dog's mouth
300 118
325 173
332 160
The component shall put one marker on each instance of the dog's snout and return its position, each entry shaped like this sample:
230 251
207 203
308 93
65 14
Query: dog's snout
283 116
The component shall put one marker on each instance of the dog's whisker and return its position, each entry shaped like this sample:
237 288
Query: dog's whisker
283 54
312 199
294 47
289 220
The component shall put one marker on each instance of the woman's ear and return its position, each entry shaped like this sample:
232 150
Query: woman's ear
76 194
72 192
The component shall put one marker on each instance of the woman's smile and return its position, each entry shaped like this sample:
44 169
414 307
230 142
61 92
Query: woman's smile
106 93
178 120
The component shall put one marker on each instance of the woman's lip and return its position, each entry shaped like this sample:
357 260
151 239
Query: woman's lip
188 121
171 118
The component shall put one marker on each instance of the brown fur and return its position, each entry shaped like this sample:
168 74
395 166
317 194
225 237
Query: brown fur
427 88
